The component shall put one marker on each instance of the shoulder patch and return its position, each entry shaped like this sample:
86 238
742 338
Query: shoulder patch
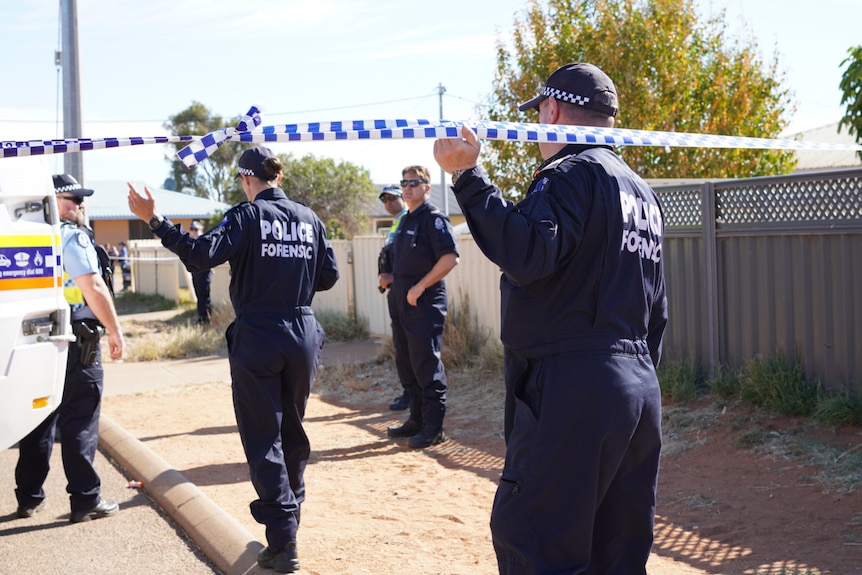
438 223
540 185
82 239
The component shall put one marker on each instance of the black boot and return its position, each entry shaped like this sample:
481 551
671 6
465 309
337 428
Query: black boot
427 438
408 429
400 403
283 560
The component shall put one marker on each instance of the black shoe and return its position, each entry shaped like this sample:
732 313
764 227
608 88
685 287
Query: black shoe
409 429
103 508
284 560
426 439
400 403
24 511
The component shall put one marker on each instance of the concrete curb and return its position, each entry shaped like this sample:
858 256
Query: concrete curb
224 541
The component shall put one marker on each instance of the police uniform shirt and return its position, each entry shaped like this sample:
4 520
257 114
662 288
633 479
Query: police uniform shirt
277 249
580 254
79 258
424 236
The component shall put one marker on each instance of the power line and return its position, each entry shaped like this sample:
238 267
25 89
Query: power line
350 107
310 111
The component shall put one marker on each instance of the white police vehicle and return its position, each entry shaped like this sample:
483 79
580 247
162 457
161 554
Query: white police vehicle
34 315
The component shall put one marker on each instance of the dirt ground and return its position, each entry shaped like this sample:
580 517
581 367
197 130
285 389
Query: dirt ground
726 504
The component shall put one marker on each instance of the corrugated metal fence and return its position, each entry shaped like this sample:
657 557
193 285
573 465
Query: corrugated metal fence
753 267
764 266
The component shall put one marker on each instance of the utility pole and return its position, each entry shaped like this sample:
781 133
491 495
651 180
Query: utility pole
73 164
440 91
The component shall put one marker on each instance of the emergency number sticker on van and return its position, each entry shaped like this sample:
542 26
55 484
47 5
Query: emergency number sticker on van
29 262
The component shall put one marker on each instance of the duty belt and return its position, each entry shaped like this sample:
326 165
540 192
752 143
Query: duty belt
277 311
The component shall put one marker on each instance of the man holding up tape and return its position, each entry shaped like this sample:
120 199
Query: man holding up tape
583 316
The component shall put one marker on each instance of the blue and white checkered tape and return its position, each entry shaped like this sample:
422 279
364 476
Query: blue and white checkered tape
11 149
200 149
249 130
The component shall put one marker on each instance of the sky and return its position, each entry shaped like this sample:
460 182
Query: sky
321 60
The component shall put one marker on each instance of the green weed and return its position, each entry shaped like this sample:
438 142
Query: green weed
841 409
463 338
679 379
778 384
725 384
342 327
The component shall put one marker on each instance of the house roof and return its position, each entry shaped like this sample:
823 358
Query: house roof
826 159
110 202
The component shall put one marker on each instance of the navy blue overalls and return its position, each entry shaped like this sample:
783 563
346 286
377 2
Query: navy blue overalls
423 236
279 257
583 315
77 417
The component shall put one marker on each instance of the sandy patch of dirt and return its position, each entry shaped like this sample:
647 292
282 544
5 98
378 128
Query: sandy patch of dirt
738 492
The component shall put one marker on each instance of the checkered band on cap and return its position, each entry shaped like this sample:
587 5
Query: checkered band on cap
68 188
558 94
245 171
584 101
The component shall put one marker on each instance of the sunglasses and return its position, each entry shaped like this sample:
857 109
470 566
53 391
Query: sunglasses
387 199
74 199
412 183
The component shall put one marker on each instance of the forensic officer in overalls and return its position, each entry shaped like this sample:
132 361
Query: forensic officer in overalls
279 258
92 310
423 252
584 311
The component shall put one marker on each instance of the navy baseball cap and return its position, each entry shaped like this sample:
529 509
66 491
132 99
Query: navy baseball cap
64 183
251 161
390 190
579 83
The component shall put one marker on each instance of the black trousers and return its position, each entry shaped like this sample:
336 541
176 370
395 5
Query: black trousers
417 335
201 283
577 493
273 362
77 419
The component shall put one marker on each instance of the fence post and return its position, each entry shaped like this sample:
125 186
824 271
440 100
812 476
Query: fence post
708 214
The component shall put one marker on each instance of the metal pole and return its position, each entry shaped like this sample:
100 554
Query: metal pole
72 163
440 91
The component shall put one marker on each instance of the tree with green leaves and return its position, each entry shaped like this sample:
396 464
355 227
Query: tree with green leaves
341 194
672 73
212 178
851 94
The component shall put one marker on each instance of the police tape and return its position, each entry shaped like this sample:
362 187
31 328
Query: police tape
249 130
143 259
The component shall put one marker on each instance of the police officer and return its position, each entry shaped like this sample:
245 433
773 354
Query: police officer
279 257
394 204
201 282
583 316
77 417
423 252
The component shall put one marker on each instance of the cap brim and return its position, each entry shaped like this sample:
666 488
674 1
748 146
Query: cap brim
80 192
534 103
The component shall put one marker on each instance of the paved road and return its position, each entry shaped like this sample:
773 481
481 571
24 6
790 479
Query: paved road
170 527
